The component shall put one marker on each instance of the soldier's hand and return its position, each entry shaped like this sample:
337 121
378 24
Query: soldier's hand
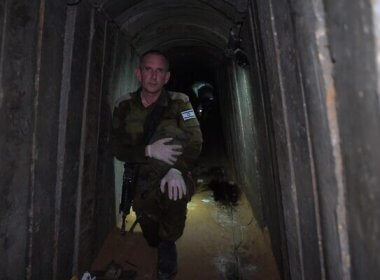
176 185
166 152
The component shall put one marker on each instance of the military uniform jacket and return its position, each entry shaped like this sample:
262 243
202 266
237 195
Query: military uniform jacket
178 122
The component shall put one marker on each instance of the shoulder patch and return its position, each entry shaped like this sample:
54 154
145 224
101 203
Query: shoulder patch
178 96
122 98
188 114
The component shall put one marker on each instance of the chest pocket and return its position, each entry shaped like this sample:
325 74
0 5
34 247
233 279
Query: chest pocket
168 124
170 128
134 125
169 120
134 131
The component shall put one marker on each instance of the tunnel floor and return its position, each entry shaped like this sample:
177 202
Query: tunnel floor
220 241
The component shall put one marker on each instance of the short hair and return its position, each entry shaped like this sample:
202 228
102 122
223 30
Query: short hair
155 52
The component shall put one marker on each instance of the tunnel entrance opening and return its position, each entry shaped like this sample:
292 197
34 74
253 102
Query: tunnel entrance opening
191 65
194 72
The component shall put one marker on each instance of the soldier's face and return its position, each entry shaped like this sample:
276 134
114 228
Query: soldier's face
153 74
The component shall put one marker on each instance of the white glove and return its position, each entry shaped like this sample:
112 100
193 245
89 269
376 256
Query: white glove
175 182
165 152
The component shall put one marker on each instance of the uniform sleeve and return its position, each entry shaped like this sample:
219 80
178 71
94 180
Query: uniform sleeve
122 148
188 122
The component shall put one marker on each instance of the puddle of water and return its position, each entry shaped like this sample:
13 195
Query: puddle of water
228 268
249 268
224 217
191 205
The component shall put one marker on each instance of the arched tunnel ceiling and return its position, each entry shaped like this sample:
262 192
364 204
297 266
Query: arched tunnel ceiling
168 24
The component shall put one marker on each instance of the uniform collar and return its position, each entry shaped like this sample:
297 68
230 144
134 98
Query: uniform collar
162 99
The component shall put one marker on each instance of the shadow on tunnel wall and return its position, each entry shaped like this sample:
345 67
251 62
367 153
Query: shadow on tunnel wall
57 176
105 180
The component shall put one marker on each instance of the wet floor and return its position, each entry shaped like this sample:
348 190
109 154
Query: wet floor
219 242
223 242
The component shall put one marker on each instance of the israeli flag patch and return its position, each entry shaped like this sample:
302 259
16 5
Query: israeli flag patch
188 115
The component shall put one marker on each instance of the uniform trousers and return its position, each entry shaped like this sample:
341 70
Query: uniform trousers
161 218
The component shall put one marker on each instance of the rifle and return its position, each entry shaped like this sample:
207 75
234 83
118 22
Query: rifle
131 170
129 179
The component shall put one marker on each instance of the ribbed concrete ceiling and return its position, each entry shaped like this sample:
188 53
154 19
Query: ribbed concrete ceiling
167 24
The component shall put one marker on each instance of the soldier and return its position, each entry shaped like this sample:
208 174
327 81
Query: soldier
157 131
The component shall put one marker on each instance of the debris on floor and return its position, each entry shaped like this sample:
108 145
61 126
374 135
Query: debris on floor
115 271
87 276
225 191
125 257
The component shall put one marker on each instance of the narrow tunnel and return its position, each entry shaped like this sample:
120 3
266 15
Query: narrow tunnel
294 119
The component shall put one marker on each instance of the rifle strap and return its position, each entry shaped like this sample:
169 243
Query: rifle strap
152 121
132 228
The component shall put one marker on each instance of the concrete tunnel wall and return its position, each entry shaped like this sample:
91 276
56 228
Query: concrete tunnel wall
314 119
248 148
58 67
238 125
314 64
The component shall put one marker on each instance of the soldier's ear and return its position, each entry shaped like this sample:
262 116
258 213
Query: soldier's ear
167 77
138 73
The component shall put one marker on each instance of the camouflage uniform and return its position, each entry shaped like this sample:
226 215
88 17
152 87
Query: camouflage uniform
162 218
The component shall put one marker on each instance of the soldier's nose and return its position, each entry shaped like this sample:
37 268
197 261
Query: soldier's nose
154 75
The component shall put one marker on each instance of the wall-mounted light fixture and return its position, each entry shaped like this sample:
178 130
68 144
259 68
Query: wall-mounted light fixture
234 47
